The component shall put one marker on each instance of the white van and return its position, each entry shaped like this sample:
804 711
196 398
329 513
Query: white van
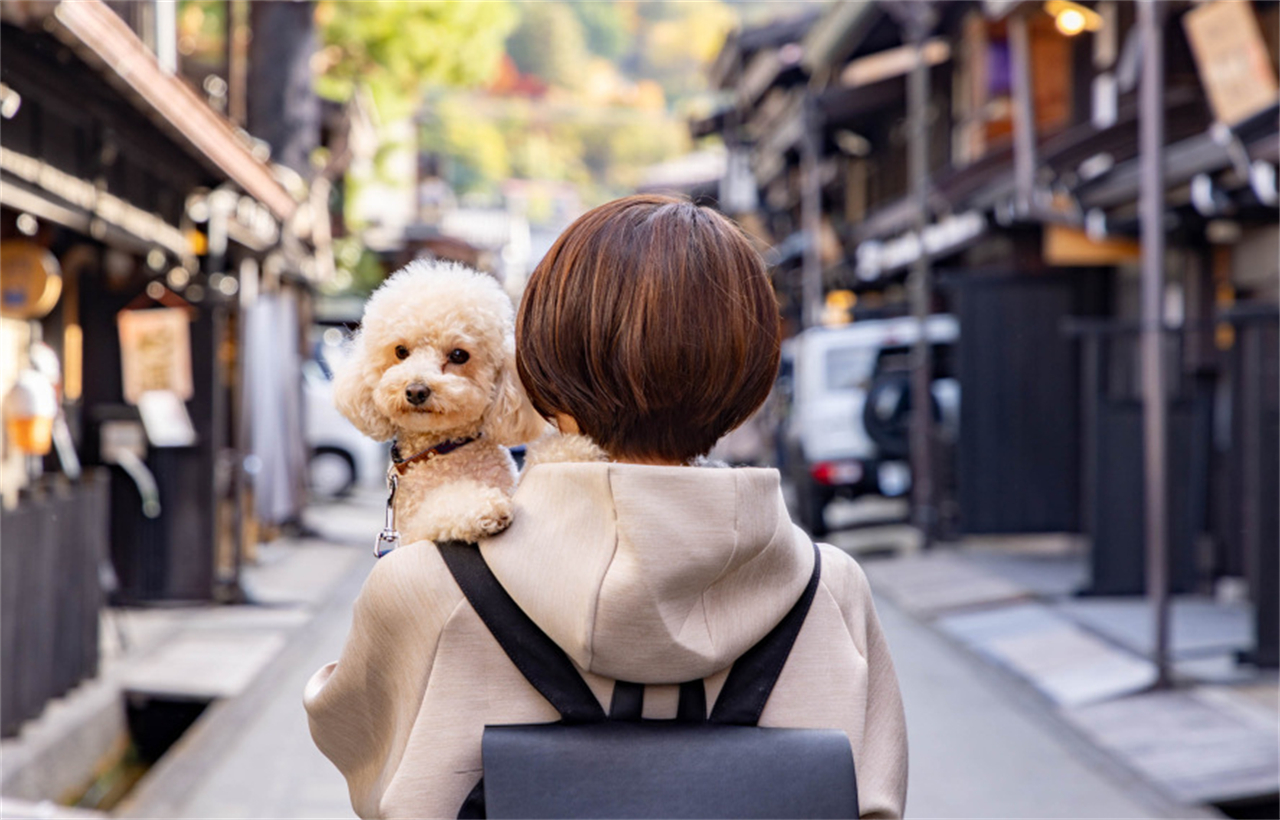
342 457
828 450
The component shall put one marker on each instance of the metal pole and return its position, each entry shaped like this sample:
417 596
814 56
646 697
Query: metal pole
810 216
1252 456
1024 117
920 287
1154 407
1090 392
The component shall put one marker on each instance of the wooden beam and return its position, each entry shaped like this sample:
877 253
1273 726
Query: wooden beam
893 62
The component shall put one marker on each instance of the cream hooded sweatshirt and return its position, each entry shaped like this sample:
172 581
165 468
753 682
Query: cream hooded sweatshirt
650 574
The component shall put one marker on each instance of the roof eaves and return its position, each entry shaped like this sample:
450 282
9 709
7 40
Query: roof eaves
95 32
835 36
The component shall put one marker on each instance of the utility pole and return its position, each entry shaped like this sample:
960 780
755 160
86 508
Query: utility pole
810 215
916 20
1024 115
1154 402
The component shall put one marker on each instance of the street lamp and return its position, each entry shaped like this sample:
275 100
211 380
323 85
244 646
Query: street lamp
1073 18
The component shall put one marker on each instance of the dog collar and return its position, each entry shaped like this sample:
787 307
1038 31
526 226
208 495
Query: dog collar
401 464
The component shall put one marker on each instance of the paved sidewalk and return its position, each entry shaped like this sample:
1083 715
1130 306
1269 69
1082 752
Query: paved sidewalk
251 755
195 653
981 746
1085 662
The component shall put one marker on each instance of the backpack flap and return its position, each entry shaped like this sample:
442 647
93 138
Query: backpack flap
666 769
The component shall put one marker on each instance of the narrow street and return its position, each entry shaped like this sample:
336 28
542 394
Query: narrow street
981 745
1012 292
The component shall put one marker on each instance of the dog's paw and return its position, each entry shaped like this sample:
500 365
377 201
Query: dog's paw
494 521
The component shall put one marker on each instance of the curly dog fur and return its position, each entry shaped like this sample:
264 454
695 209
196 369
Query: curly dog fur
445 329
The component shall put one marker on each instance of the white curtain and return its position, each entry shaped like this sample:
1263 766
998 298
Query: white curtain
277 451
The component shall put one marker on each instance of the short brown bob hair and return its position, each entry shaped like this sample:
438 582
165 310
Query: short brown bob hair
652 322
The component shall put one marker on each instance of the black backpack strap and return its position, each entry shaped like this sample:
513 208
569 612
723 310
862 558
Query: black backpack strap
692 707
753 675
539 659
628 701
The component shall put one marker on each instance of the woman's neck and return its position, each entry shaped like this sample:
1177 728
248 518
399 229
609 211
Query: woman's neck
569 425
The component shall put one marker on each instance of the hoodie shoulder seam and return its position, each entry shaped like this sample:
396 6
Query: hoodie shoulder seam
841 604
613 555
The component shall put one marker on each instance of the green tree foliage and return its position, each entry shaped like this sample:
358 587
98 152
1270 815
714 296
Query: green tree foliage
678 41
359 270
549 43
602 150
397 48
606 25
202 31
475 146
616 78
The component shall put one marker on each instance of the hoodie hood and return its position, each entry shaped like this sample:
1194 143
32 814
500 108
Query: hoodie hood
651 574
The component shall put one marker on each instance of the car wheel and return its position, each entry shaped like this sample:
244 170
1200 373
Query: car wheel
331 472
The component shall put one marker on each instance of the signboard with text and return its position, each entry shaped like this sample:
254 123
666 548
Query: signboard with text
1231 58
155 352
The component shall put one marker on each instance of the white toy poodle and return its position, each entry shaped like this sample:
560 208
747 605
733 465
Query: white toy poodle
433 369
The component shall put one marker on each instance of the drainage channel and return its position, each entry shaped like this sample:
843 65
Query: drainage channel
1255 808
154 724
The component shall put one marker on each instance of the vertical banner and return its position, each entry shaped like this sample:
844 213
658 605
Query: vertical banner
155 352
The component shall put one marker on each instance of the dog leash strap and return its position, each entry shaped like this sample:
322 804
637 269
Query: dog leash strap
389 538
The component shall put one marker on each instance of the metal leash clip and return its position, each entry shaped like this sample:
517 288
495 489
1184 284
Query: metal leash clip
389 538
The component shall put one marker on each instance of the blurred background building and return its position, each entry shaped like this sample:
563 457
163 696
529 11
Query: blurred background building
1030 224
163 268
196 198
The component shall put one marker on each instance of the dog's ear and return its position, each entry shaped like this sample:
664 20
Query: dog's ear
353 384
511 419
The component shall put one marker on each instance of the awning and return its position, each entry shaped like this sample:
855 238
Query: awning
948 235
34 186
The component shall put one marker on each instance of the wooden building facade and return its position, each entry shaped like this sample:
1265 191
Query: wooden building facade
166 228
1031 235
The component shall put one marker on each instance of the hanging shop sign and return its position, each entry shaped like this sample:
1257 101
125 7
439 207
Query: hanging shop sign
32 280
155 352
1231 58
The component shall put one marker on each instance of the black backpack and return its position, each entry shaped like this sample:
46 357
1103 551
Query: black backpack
590 764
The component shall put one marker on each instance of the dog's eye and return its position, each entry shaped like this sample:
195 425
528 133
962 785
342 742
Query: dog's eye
459 356
402 352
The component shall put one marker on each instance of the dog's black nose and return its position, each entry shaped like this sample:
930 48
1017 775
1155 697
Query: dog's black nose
417 393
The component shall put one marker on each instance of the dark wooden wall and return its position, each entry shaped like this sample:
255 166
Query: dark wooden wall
1018 459
51 597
